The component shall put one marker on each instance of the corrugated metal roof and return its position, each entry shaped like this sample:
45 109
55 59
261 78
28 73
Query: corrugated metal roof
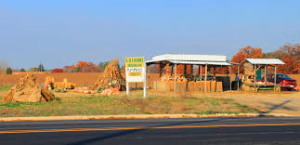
190 59
200 62
264 61
197 57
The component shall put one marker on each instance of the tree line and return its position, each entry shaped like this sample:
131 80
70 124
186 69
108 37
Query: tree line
288 53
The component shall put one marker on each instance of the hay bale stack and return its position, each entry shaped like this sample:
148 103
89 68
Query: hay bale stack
111 75
27 90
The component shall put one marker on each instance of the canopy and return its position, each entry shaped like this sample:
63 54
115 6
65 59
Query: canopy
196 59
264 61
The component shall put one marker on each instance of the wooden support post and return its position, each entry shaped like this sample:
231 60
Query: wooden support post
160 70
149 71
200 70
172 70
192 69
275 76
214 71
266 74
175 77
230 78
184 70
205 79
255 75
238 77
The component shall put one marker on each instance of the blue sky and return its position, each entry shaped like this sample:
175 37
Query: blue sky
59 33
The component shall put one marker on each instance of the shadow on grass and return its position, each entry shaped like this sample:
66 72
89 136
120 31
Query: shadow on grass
276 106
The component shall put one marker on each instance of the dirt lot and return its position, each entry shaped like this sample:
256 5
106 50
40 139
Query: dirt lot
81 79
268 102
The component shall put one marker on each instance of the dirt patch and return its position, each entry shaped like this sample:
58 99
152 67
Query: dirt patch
267 102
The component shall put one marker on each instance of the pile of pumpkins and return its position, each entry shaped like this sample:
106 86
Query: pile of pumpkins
84 90
100 90
111 91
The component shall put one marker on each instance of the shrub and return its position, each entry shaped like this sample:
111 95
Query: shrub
57 70
8 71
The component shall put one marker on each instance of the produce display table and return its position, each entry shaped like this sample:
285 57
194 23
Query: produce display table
255 87
211 86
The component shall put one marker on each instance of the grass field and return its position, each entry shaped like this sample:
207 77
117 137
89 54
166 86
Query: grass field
74 104
4 88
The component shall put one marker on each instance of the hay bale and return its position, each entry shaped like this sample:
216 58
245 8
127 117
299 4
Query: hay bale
27 90
110 76
8 97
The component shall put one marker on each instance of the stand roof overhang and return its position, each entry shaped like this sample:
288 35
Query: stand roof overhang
196 59
263 61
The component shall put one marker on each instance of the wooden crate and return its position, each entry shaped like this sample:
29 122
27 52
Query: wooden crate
219 87
181 86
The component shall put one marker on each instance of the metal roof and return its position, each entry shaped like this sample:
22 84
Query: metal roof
197 57
264 61
190 59
201 62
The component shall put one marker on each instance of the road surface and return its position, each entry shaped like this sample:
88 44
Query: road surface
154 131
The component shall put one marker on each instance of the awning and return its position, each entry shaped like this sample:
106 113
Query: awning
264 61
190 62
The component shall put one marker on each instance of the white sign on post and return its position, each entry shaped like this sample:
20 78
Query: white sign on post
135 70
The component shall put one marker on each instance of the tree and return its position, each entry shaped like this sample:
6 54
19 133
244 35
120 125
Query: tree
8 71
40 68
81 63
290 55
90 67
57 70
246 52
33 69
221 70
290 66
22 70
289 49
70 68
83 66
78 69
180 69
103 65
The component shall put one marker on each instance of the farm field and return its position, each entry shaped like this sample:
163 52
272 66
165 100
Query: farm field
78 78
86 79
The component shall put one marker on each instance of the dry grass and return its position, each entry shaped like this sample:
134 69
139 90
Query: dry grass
70 104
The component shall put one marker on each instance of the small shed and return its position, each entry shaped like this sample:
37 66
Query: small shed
189 59
252 65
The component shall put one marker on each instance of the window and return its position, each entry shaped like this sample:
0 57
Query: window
284 76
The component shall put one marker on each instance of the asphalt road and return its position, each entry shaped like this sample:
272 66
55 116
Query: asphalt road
154 131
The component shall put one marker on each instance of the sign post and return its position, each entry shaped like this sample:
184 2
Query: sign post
135 70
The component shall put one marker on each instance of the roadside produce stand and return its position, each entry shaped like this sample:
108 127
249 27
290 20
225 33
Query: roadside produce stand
253 80
172 81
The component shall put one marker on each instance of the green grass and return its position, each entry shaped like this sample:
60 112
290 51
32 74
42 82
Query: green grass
4 88
121 104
